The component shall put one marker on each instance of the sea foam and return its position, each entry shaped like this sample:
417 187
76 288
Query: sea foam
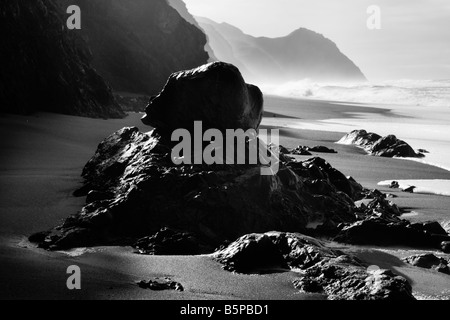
419 111
404 92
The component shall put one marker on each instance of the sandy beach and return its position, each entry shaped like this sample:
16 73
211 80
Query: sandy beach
40 165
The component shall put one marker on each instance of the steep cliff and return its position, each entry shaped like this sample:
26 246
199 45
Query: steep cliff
301 54
137 44
180 6
46 67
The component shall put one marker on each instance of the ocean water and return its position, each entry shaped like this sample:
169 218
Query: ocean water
402 92
419 114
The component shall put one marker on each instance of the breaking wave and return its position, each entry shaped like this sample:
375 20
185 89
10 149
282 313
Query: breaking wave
399 92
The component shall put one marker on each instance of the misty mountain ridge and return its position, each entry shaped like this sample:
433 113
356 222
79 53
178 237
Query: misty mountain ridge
299 55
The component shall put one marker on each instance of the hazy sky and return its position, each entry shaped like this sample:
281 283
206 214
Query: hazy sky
414 40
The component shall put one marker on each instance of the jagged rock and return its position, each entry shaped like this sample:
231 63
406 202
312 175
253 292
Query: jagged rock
301 151
160 284
394 185
320 149
168 242
214 202
361 138
318 169
429 261
326 271
409 189
373 194
346 283
380 224
215 94
46 67
374 144
431 227
390 146
381 207
445 246
385 229
94 196
306 151
283 150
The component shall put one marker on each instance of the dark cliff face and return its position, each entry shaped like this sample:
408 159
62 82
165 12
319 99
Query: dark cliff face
137 44
45 66
182 9
299 55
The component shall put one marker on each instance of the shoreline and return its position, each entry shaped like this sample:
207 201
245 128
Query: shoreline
41 166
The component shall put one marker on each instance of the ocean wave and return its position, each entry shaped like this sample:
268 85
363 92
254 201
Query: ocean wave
399 92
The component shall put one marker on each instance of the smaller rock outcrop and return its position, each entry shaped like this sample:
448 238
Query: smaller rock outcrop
160 284
380 224
320 149
306 151
376 145
323 270
168 242
429 261
300 151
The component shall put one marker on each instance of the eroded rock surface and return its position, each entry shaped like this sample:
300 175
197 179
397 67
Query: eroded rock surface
379 223
168 242
429 261
159 284
142 191
322 270
215 94
134 188
376 145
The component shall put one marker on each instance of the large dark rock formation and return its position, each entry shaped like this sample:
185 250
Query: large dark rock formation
142 191
376 145
137 44
299 55
215 94
46 67
323 270
135 189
